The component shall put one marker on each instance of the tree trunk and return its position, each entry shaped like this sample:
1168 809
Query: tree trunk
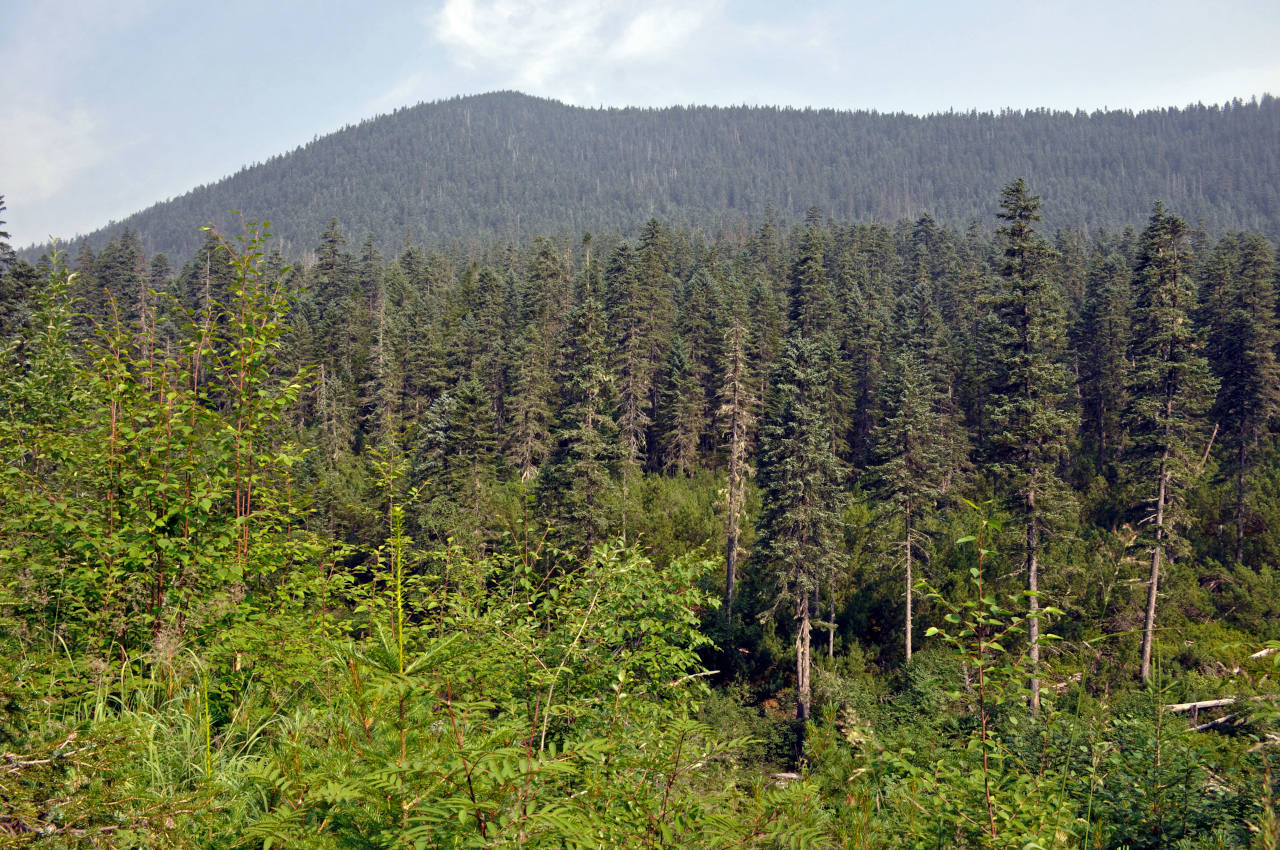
732 521
731 564
1033 601
907 541
802 657
1240 459
1153 585
831 630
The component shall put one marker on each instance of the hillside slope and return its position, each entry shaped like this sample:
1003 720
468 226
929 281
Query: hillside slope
508 164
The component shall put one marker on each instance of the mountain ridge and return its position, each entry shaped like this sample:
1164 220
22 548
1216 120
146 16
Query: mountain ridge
509 165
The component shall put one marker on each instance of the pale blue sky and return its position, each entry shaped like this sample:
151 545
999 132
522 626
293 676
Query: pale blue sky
109 107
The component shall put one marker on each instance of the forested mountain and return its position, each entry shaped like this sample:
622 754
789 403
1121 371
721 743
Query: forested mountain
509 165
565 478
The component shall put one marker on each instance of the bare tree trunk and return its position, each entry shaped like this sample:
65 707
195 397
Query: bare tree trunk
1240 457
907 539
1157 553
1033 601
731 563
733 520
831 630
802 657
736 406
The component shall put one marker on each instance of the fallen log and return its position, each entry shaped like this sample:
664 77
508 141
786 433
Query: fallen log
1196 706
1233 719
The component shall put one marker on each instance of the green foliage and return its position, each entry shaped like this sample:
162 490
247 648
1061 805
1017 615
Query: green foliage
610 170
547 711
1020 803
287 664
157 468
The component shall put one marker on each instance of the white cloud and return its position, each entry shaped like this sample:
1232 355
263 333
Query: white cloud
655 34
564 48
46 148
53 138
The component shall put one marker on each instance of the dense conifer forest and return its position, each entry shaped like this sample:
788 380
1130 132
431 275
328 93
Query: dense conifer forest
819 533
507 167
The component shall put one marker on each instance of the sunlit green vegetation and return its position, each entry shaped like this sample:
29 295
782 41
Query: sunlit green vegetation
436 551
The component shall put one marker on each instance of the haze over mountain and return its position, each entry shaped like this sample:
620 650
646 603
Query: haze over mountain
507 164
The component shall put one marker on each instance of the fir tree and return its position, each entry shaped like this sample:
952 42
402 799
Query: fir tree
1169 389
631 322
455 458
799 540
576 482
736 416
1030 419
918 443
1102 339
528 406
813 306
684 409
1242 348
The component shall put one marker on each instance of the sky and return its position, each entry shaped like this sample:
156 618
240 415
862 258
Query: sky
109 107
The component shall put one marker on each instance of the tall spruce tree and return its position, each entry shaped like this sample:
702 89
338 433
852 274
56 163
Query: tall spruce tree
576 482
1029 416
684 410
1240 303
455 459
736 416
813 304
631 321
528 406
1102 340
799 541
1169 389
918 444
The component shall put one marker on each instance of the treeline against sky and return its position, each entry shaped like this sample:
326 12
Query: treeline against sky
508 166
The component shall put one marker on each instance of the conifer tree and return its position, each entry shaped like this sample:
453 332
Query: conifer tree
344 334
1242 348
16 279
813 305
456 453
799 542
864 347
1030 418
631 324
528 406
684 410
736 416
576 482
1169 389
1102 339
918 443
768 319
387 382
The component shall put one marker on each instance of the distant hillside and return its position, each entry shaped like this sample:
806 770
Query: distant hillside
507 164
